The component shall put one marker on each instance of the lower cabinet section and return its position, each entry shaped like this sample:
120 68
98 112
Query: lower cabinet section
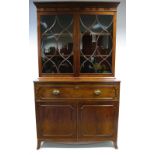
77 121
77 112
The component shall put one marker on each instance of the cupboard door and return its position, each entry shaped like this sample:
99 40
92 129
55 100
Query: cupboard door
96 44
57 120
97 120
56 43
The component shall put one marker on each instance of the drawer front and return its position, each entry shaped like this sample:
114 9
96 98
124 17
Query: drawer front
76 91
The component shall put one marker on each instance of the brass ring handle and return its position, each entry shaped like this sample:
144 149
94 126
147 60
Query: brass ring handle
97 92
56 92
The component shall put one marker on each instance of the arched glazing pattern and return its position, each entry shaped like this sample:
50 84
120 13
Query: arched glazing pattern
57 43
96 43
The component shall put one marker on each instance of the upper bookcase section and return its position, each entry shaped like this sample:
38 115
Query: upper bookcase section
76 38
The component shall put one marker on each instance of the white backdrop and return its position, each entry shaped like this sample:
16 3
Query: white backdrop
134 67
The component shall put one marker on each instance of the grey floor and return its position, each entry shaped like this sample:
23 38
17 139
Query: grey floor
60 145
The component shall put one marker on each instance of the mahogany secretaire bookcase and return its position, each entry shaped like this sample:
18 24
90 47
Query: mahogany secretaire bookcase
76 94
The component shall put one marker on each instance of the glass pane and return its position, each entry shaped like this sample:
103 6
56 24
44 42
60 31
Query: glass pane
57 43
96 43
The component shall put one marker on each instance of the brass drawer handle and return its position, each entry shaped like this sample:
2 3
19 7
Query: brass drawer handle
97 92
56 92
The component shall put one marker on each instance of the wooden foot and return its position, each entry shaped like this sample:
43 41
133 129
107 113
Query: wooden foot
38 144
115 145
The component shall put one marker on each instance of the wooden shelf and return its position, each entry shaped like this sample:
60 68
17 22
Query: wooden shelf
57 34
98 34
80 55
58 55
64 34
95 55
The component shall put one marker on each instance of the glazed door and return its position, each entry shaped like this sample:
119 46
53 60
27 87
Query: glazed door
57 120
96 120
73 44
56 41
97 41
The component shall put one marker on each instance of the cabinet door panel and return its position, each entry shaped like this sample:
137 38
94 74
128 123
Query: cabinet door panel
96 120
57 120
96 44
56 33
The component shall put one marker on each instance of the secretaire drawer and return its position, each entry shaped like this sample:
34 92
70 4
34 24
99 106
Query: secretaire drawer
76 91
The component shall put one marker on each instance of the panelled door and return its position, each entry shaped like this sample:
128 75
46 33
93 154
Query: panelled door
57 120
96 120
72 121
